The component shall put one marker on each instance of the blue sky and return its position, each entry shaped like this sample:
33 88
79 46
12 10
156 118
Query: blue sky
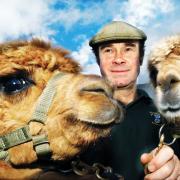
71 23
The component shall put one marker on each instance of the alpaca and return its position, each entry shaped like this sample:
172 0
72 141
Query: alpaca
48 108
164 68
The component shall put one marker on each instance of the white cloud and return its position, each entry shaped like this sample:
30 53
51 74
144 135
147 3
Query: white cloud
86 59
73 13
91 69
144 75
80 37
83 54
34 17
140 12
19 18
68 17
24 17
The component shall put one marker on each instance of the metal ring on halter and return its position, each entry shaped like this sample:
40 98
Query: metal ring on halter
160 133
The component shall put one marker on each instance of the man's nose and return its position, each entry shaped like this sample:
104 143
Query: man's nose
119 58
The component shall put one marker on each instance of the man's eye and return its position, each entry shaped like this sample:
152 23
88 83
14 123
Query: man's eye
13 85
128 49
107 50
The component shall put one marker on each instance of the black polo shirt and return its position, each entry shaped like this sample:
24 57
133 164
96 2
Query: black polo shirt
137 134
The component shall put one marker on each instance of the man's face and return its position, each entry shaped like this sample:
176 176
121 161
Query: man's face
119 62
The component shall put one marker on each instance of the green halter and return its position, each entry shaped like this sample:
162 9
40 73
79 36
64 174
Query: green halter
22 135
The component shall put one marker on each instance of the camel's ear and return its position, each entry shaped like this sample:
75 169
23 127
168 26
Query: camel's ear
51 59
153 74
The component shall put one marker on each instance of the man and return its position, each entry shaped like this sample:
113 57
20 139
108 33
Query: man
119 49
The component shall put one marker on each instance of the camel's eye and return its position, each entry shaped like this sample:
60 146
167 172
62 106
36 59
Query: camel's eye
153 75
11 85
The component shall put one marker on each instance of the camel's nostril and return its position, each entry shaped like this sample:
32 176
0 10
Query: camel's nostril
96 85
173 81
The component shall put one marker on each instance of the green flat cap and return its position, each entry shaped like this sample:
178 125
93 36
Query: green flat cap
117 30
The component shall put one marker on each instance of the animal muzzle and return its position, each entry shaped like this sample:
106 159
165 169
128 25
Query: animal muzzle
168 78
97 105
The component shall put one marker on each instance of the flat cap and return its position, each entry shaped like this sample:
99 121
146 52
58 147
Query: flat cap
117 30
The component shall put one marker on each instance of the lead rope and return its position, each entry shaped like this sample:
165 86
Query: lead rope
101 172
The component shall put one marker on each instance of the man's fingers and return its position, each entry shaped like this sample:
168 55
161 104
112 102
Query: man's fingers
162 172
146 158
164 155
162 164
176 172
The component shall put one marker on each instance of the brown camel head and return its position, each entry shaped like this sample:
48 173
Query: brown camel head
80 107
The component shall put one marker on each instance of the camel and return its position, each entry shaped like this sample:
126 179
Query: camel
48 108
164 68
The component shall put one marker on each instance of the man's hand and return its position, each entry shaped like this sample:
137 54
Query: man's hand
164 165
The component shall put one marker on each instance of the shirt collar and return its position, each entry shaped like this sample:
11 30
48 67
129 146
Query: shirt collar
141 94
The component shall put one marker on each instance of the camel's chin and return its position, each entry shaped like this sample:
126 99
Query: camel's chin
103 119
99 127
97 130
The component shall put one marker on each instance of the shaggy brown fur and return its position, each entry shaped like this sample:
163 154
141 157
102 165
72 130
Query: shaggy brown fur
164 67
81 112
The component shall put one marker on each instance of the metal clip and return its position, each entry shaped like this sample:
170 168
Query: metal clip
160 134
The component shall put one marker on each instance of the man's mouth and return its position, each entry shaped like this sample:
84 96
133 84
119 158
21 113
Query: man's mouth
120 71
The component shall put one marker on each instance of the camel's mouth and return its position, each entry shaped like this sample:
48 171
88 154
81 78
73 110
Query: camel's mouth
171 111
101 123
106 125
104 118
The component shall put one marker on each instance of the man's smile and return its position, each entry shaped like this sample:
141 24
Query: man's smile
120 71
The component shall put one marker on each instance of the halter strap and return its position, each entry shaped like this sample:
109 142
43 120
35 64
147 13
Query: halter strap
45 100
22 135
14 138
40 142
